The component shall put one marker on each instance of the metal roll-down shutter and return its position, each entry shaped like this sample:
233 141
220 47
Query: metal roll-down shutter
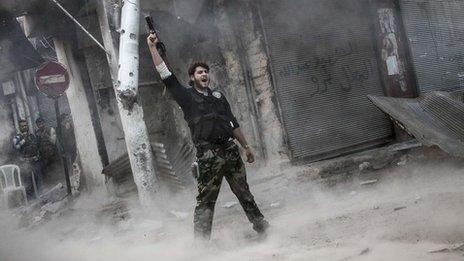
324 65
435 30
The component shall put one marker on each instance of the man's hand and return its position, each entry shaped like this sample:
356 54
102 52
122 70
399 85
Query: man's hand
152 40
250 155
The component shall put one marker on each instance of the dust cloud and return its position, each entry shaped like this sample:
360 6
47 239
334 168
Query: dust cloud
410 211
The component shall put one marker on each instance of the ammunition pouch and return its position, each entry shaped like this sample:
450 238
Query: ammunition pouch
211 128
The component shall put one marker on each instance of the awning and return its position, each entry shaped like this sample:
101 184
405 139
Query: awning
16 52
433 119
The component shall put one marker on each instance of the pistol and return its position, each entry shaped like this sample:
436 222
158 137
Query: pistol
151 29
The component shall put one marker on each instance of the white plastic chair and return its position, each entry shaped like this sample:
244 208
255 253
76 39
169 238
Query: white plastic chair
10 179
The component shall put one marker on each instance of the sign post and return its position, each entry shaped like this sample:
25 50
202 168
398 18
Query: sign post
52 79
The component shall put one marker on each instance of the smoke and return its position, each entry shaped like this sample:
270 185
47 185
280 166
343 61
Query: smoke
309 221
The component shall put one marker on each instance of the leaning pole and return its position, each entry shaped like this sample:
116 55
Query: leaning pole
130 108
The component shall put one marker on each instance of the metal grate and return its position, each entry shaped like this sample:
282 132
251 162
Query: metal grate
435 30
324 66
434 119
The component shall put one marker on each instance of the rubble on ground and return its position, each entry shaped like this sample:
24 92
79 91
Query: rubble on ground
230 204
358 163
50 204
454 248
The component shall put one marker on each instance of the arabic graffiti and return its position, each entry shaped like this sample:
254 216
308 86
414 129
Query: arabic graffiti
323 62
347 79
326 72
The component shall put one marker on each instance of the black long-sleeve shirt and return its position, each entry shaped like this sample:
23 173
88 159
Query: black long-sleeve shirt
196 105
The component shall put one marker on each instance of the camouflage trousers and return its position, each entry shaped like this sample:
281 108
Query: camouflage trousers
213 165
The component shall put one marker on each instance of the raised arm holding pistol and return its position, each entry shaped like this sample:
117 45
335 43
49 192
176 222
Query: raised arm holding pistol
214 129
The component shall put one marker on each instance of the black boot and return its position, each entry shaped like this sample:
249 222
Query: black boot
261 226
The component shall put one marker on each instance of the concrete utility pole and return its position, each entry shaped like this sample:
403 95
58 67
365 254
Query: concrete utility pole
126 89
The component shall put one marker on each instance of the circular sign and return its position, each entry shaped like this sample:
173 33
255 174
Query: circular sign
52 79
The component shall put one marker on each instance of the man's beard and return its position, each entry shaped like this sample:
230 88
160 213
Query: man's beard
200 84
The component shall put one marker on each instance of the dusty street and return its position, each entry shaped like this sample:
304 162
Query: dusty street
411 211
348 116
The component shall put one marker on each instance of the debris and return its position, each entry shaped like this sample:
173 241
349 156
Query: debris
458 247
418 199
365 165
376 207
365 251
353 193
95 239
41 217
117 210
433 119
230 204
150 225
399 208
369 182
179 214
441 250
309 173
53 207
55 194
275 205
401 163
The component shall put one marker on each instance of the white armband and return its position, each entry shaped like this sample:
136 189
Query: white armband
163 71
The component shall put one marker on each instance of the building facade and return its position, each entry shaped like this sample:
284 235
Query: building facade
297 72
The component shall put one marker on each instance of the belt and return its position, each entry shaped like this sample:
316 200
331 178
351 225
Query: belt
204 146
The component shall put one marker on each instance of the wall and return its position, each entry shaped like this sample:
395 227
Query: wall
101 86
81 115
245 57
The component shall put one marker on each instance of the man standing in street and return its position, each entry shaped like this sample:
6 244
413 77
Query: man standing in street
30 162
213 128
46 137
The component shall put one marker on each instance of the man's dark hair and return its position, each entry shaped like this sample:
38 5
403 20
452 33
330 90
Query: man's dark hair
193 67
39 120
22 120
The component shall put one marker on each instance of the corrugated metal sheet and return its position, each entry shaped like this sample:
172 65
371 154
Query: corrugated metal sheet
175 171
434 119
324 65
435 29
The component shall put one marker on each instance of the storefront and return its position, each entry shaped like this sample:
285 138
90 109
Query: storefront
324 64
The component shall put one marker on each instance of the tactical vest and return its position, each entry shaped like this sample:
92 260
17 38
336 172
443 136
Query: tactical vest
208 119
30 148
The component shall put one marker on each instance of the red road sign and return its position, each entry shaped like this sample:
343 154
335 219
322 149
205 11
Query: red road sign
52 78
